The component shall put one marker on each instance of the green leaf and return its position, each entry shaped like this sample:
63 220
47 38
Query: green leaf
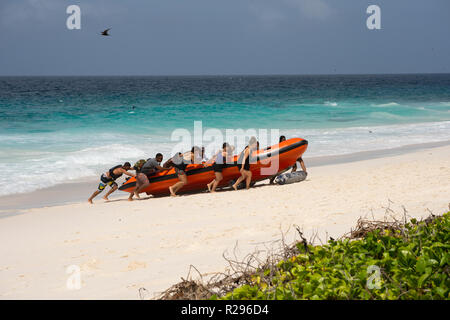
421 265
422 279
441 291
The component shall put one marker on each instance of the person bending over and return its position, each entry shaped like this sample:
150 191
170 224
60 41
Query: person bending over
109 179
300 159
294 167
220 159
148 169
180 162
246 174
302 164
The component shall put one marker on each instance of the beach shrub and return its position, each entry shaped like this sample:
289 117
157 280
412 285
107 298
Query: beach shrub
411 262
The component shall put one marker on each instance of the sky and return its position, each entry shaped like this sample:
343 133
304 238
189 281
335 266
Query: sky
212 37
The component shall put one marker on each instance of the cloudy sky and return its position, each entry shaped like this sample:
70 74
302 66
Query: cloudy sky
196 37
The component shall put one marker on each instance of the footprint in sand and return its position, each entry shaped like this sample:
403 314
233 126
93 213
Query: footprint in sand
72 241
135 265
90 265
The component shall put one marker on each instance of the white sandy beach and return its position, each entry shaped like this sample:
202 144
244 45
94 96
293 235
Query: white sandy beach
122 246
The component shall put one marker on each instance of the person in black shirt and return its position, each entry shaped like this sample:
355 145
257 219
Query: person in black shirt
220 159
180 161
246 174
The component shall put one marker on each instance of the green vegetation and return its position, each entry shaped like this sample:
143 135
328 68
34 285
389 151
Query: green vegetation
406 262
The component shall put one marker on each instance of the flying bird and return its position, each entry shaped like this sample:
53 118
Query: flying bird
105 33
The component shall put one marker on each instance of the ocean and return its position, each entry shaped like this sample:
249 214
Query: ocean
55 130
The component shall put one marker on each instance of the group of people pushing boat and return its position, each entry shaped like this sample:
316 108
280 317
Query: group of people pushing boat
147 168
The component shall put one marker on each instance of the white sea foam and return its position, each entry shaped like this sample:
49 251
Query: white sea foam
384 105
331 104
50 168
35 168
323 142
386 116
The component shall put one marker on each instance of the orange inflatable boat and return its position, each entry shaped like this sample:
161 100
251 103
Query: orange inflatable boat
267 162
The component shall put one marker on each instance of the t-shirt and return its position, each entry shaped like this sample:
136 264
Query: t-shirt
219 159
150 166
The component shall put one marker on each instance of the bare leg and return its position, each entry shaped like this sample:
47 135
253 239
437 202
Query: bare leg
219 178
109 192
239 180
134 193
302 164
142 182
96 193
173 189
177 186
248 179
183 181
210 184
294 167
138 190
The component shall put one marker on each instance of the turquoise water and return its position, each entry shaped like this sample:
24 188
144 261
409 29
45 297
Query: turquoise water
54 130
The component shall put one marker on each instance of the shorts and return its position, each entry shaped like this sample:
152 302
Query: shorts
105 181
141 179
218 167
180 171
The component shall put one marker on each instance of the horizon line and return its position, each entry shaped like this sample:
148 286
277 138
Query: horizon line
229 75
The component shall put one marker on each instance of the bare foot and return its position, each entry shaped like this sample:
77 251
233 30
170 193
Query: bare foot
105 198
235 187
90 201
209 186
137 195
172 194
130 198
